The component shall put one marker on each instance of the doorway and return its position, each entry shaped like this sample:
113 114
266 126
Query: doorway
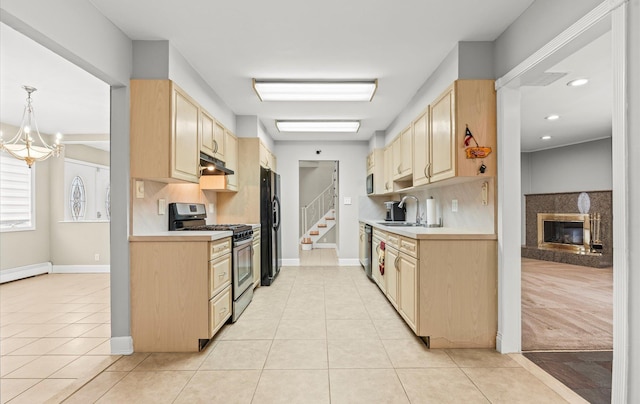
318 227
510 182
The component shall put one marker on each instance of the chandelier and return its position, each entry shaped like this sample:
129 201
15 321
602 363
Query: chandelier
27 144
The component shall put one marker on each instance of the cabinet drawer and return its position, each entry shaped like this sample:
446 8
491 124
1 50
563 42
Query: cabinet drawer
219 247
409 246
219 274
219 310
256 235
393 240
380 234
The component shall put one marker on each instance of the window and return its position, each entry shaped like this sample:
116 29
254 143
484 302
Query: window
87 196
17 193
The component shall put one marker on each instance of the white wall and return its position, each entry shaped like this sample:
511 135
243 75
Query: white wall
351 158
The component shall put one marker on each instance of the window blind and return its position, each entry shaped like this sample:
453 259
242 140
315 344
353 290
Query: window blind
16 194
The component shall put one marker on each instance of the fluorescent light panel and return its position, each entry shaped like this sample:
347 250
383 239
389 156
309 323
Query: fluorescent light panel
318 126
316 90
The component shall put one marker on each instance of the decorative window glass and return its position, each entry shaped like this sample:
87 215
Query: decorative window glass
96 197
77 199
17 194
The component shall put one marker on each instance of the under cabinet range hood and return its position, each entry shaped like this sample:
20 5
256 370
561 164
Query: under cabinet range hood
212 166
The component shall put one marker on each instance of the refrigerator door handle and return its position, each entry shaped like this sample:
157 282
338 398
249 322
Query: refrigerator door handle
276 213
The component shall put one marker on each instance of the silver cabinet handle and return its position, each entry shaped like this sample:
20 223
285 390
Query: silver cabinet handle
396 263
215 146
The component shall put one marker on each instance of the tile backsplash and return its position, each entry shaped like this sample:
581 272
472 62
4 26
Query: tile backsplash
471 214
146 219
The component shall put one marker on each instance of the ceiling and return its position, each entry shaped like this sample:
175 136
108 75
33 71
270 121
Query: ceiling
399 43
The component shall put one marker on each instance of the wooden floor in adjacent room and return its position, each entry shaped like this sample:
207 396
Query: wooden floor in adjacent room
566 307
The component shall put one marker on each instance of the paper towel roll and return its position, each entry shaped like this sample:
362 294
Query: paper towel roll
431 211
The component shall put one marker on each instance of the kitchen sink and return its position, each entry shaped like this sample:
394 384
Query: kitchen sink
401 224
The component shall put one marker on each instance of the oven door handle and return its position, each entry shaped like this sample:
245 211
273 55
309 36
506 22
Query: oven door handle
242 242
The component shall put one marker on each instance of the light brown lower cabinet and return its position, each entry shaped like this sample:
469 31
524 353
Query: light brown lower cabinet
445 290
180 293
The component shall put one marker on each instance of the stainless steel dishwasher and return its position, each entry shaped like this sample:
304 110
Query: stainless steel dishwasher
367 250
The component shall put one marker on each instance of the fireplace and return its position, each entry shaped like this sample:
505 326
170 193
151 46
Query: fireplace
574 232
582 236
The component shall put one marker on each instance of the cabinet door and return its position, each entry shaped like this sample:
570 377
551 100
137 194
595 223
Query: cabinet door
388 169
218 142
391 273
207 123
443 146
370 162
406 152
219 310
375 265
396 150
185 158
421 149
264 156
231 152
407 286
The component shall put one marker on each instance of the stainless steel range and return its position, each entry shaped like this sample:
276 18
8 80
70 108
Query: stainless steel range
192 217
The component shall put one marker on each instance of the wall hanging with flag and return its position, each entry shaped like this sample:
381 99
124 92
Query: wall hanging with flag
476 152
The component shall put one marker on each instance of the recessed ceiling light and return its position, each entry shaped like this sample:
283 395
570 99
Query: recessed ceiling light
578 82
547 137
315 90
318 126
552 117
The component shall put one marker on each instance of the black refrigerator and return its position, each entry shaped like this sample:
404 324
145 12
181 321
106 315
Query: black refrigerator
270 244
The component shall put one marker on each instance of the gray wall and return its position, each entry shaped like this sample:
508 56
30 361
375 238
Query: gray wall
352 172
576 168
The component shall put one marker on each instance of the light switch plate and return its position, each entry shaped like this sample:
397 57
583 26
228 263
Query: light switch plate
454 205
347 200
162 206
139 189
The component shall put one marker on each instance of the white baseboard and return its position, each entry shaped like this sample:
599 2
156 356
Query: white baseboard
499 342
291 262
348 262
13 274
81 269
121 345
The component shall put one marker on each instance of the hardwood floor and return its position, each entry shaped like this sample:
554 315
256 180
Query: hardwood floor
586 373
566 307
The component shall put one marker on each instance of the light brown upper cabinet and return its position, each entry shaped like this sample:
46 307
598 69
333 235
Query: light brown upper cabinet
388 168
422 149
267 158
164 132
465 102
231 152
218 142
370 162
403 155
207 123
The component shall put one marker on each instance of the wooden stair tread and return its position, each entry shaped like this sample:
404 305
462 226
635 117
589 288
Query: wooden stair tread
322 225
314 232
330 218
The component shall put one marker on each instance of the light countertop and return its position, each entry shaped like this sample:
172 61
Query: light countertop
433 233
182 236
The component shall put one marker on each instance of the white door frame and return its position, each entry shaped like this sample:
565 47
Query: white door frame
509 189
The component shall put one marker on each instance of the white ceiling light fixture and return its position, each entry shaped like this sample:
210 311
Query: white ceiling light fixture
552 117
315 90
28 145
578 82
318 126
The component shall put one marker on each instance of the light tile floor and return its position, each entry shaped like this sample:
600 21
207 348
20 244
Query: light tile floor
317 335
54 335
318 257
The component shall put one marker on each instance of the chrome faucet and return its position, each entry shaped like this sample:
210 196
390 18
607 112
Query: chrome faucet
401 204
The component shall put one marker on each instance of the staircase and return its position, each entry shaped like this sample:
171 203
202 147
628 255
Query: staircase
318 217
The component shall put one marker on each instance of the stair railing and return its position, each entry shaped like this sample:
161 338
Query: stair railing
317 208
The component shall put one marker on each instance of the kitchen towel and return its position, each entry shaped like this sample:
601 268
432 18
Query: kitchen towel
381 258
